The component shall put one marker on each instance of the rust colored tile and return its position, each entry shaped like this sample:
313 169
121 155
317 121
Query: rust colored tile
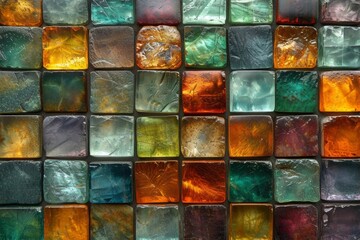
340 136
64 222
295 47
20 13
203 182
250 136
339 91
204 92
156 182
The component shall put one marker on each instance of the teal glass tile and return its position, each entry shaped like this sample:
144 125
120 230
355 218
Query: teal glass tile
20 47
66 181
64 12
110 182
204 12
18 223
250 181
251 11
112 12
19 92
111 136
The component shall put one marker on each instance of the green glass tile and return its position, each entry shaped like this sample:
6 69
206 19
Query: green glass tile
250 181
205 47
204 12
64 12
251 12
112 12
296 91
297 180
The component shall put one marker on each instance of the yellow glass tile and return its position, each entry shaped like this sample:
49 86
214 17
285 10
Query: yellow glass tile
20 13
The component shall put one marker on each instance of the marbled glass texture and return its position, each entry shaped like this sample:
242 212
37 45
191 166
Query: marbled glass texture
64 12
250 181
251 47
64 91
297 180
340 221
66 181
110 182
20 183
294 222
19 92
252 91
205 47
111 136
296 91
64 222
251 11
296 136
204 12
340 11
112 12
112 92
18 223
20 47
203 136
340 180
206 222
110 221
296 12
65 48
65 136
20 13
158 136
20 137
339 47
157 222
111 47
155 12
251 221
157 92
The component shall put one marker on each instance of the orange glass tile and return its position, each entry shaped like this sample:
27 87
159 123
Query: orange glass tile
340 136
20 13
295 47
339 91
251 221
157 182
65 48
204 92
64 222
250 136
203 182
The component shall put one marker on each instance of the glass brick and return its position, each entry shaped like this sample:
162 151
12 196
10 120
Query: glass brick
112 12
251 12
63 12
204 12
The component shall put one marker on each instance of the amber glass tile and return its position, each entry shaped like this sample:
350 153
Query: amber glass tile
20 13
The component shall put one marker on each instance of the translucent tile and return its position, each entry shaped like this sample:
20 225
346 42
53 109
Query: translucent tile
252 91
204 92
111 221
296 12
20 13
63 12
250 181
64 91
111 47
110 182
204 12
297 180
295 47
65 48
112 12
203 136
205 47
157 92
158 136
66 181
203 182
20 92
65 136
157 182
111 136
340 11
251 12
20 136
158 47
20 47
20 183
251 47
296 91
155 12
